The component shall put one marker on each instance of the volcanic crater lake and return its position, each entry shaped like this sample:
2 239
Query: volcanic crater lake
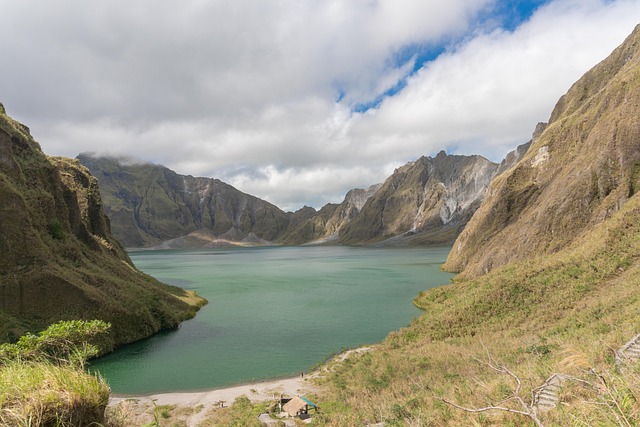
272 312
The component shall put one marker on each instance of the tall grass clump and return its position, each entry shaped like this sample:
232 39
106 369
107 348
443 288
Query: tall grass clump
43 381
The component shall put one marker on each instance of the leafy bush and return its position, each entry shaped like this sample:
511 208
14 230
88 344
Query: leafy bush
55 230
67 342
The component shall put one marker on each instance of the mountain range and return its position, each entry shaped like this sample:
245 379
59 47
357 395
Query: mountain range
427 201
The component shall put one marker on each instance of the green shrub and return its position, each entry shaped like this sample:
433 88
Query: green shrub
67 342
56 230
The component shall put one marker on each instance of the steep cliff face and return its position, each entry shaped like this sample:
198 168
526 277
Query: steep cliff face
582 169
151 205
58 259
427 201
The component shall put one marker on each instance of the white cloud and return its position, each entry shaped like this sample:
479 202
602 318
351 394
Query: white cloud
246 90
487 95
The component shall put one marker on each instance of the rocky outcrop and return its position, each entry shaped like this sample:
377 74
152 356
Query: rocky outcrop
426 201
58 259
576 174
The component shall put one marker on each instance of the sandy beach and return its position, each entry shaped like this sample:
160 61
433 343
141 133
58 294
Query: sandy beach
141 406
192 407
256 392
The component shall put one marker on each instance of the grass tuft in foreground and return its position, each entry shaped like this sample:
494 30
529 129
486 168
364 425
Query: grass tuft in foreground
42 380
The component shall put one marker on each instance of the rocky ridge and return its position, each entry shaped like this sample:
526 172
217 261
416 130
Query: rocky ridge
577 173
430 198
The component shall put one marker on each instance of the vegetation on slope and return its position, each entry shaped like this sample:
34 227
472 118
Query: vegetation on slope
58 260
564 313
424 202
149 204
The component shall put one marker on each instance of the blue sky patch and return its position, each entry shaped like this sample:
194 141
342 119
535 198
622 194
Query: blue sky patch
507 15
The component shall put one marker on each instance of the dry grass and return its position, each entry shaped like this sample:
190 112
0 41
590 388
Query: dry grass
43 394
563 313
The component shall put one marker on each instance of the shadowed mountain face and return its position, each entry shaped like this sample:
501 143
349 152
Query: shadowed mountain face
580 171
58 259
149 205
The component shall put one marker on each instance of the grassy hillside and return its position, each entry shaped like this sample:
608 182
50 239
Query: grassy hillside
43 381
58 260
565 313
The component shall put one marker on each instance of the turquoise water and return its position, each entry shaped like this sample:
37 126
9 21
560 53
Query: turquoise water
272 312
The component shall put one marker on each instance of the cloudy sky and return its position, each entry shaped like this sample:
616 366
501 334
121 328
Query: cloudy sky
296 101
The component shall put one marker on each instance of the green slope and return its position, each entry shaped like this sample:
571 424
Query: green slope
564 313
58 259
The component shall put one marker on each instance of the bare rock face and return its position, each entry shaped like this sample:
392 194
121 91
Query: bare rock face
326 225
58 259
427 200
576 174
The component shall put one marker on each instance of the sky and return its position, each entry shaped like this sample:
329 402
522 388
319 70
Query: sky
296 101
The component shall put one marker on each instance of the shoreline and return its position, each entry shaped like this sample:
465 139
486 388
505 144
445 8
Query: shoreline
256 391
195 405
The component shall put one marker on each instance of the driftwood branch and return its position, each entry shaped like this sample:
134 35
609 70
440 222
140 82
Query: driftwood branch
485 409
528 410
527 413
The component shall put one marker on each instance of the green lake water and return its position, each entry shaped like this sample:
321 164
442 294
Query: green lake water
272 312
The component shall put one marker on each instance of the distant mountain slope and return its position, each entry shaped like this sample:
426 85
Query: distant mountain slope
150 204
582 169
326 225
58 259
431 198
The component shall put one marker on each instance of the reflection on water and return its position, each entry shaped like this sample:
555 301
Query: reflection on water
272 312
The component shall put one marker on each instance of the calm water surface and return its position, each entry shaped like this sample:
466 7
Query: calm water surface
272 312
